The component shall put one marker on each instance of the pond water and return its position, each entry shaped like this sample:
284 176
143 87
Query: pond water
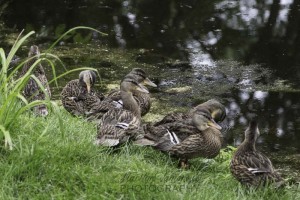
246 53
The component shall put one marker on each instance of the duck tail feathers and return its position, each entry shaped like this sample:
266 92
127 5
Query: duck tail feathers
107 142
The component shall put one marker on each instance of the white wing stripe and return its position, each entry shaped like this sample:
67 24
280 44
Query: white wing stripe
173 137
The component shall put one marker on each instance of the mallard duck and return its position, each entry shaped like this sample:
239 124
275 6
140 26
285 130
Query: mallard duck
214 107
118 125
78 96
114 100
249 166
32 91
198 136
142 98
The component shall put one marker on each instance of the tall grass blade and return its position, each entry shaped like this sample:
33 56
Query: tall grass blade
13 103
7 138
71 30
16 46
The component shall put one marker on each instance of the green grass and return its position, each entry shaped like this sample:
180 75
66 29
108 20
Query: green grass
48 164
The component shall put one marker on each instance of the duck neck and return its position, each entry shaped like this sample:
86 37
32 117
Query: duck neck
27 65
213 142
247 145
212 134
82 88
129 103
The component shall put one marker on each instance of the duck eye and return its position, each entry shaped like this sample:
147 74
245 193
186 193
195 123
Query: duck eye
141 75
207 116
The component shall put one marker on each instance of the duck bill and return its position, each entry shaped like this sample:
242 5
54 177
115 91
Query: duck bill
142 88
88 86
150 83
212 123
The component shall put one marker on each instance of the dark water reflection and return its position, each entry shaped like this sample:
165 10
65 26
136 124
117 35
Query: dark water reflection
250 31
199 32
277 114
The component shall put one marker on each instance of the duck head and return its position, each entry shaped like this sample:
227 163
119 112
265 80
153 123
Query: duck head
141 77
130 84
217 110
202 119
33 51
87 79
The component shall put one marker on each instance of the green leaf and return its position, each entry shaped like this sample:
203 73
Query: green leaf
7 138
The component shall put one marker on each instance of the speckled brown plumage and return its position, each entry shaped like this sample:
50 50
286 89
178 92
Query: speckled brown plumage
217 110
75 96
143 99
119 125
197 137
32 91
97 111
194 143
114 100
249 166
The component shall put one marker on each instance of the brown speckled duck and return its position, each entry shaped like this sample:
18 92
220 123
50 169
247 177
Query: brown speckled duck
249 166
114 100
198 136
142 98
214 107
78 96
32 91
117 125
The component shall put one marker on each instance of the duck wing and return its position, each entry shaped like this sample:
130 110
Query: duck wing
253 168
182 129
206 143
69 96
153 135
173 117
188 148
97 111
31 90
143 100
254 162
116 127
76 100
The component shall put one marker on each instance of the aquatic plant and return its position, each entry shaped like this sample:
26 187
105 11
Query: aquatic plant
12 102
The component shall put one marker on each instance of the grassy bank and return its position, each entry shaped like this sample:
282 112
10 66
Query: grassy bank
49 162
54 157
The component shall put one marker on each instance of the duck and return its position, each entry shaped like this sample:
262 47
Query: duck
113 99
251 167
32 90
78 96
216 109
142 98
119 125
213 106
198 136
